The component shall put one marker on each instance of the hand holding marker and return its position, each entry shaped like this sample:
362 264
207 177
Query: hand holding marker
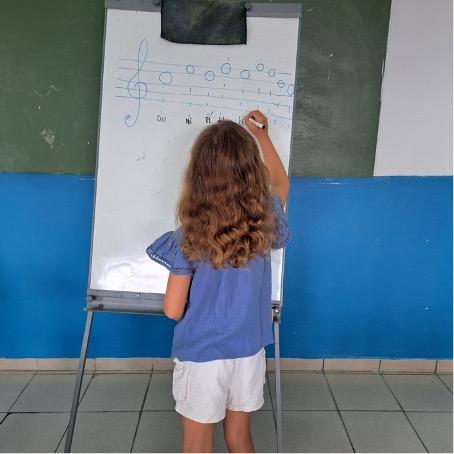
257 124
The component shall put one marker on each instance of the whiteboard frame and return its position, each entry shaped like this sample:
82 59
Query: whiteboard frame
139 302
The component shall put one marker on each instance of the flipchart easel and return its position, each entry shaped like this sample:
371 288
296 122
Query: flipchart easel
150 303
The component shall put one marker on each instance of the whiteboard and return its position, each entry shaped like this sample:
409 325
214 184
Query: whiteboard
156 97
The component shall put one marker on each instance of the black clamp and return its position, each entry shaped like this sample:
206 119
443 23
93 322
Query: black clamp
276 313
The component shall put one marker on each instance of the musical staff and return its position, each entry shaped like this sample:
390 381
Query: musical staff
198 86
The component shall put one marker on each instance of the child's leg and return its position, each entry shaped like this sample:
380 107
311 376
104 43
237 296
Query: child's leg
197 437
237 431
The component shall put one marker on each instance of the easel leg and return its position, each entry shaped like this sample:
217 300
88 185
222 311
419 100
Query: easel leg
277 367
80 375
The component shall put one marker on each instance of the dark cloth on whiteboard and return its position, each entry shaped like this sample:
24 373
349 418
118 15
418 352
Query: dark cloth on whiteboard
203 22
228 313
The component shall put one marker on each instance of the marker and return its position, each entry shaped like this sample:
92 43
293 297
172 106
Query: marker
256 123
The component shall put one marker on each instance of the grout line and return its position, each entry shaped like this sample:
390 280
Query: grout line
403 411
69 412
445 385
260 410
339 413
9 412
141 411
20 394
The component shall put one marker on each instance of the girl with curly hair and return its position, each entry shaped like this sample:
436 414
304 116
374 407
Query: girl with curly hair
219 286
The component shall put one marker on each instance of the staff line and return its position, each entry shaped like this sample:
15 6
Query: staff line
203 86
202 75
277 104
203 105
202 66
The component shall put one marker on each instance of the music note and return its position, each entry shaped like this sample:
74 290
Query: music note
136 88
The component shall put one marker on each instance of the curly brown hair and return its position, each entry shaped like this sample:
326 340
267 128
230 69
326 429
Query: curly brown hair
225 206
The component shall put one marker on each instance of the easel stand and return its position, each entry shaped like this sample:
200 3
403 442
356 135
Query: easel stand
151 304
277 367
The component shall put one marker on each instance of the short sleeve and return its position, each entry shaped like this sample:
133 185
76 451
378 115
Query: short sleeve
283 231
166 250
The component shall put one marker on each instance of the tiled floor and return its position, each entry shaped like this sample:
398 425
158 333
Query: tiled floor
322 412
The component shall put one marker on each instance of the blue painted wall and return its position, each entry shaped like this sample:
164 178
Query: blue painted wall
368 271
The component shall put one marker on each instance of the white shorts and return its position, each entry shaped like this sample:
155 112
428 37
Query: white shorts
203 391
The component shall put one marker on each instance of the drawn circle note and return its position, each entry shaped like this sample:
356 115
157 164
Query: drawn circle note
209 75
165 77
245 74
190 69
260 67
226 68
271 72
280 83
290 90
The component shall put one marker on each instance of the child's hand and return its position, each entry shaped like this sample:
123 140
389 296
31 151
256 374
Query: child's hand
255 130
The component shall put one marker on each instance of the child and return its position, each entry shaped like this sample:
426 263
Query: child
231 213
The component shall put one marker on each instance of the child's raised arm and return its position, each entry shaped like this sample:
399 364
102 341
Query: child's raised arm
278 175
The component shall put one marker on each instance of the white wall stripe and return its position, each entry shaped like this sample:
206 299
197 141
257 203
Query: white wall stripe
96 365
415 128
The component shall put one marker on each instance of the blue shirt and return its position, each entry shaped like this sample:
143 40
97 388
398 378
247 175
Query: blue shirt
228 313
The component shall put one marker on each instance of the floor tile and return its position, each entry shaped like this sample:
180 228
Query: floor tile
313 431
381 431
35 432
51 393
435 429
159 395
263 433
159 431
11 386
447 378
303 391
115 392
103 432
361 392
219 443
420 392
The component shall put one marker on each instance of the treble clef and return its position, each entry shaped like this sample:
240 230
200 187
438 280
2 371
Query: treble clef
136 88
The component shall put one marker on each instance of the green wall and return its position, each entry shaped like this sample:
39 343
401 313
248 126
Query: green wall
51 54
